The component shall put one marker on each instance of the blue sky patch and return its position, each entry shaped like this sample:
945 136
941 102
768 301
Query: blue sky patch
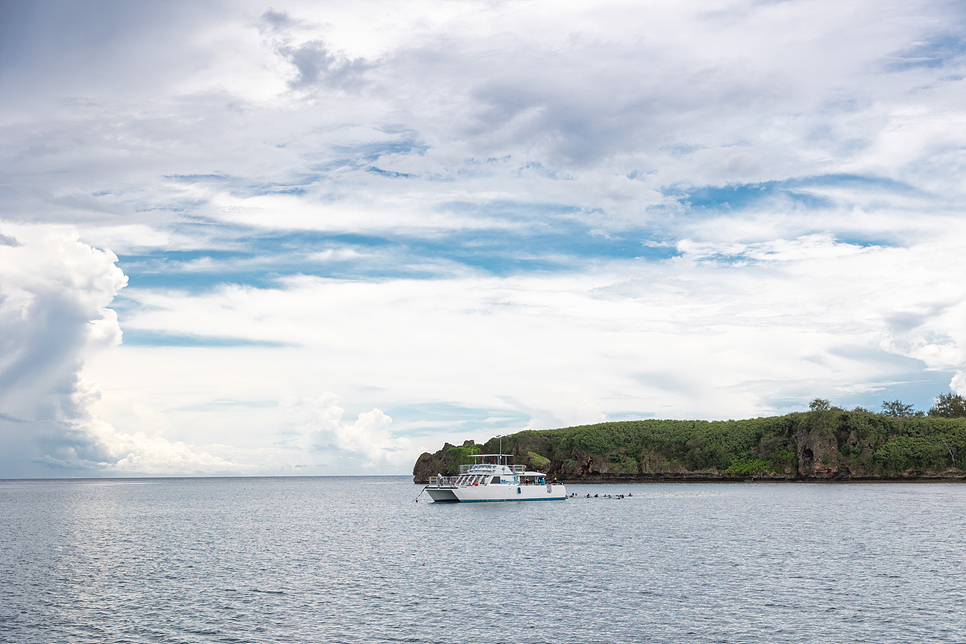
748 196
369 152
248 258
388 173
145 338
936 52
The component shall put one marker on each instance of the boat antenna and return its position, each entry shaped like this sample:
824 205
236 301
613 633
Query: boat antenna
500 436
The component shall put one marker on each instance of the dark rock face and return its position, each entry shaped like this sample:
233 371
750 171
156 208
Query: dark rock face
818 455
429 465
655 464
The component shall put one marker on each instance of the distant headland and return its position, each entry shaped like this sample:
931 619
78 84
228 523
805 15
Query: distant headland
826 443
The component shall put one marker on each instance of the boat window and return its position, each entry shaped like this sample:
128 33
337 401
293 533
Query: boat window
496 479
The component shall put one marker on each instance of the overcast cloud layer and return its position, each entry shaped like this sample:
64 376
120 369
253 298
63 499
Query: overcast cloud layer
320 238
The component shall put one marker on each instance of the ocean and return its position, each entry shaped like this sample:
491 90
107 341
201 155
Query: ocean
356 559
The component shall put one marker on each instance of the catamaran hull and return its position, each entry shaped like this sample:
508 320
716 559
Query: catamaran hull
492 493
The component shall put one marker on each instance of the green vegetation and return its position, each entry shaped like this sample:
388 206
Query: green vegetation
695 445
820 405
949 406
463 455
750 466
827 442
896 409
537 460
857 443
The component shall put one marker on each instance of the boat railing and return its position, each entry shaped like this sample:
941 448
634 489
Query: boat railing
442 481
451 481
516 469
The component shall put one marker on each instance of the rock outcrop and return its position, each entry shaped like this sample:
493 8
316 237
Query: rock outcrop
829 445
446 462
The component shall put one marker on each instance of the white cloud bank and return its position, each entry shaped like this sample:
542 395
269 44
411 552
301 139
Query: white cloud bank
445 214
366 444
733 330
54 294
727 330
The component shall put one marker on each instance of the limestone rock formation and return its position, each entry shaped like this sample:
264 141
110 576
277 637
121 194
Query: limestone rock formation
824 444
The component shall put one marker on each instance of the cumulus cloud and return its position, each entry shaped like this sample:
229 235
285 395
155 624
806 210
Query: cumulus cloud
368 441
54 294
958 383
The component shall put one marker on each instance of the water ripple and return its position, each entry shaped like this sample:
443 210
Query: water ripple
355 560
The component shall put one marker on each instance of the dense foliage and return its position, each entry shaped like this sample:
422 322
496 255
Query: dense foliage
856 442
949 406
463 455
826 442
897 409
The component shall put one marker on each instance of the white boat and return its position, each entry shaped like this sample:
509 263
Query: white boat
491 479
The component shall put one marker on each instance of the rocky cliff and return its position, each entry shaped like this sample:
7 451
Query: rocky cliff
828 445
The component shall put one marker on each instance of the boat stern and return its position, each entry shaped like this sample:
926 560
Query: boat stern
442 495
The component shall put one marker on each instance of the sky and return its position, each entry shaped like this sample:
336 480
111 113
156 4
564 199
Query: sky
320 238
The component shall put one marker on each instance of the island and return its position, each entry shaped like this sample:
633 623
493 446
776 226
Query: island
826 443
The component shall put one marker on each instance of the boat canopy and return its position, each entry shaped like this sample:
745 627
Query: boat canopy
496 463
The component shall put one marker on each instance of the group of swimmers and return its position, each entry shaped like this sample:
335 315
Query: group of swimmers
605 496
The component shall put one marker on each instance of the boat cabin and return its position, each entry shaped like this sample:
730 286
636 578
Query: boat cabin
491 469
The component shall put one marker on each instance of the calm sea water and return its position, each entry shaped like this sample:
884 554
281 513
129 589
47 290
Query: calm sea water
356 560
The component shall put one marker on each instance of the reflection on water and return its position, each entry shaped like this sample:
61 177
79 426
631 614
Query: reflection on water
356 560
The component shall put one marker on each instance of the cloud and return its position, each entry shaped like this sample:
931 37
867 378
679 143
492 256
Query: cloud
545 213
368 441
716 332
54 294
317 65
273 20
958 383
82 444
8 241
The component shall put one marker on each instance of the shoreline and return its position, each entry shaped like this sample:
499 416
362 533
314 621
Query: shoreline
944 477
818 446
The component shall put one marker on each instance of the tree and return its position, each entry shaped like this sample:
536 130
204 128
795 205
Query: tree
819 404
949 406
896 409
